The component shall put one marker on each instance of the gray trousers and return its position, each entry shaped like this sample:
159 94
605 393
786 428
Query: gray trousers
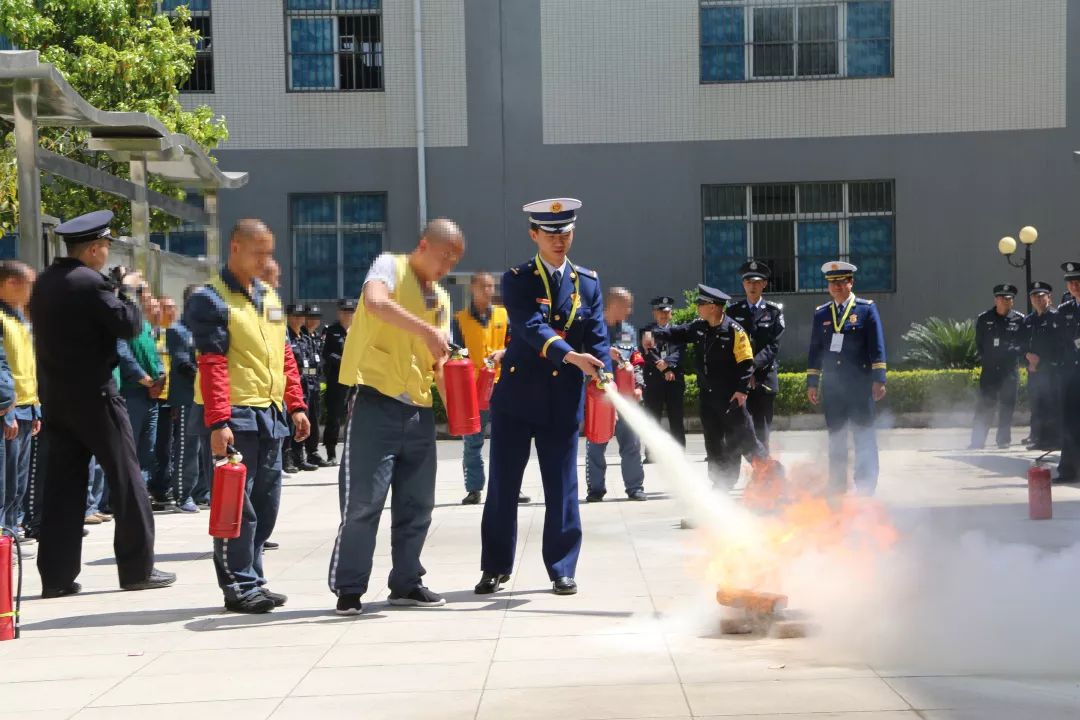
389 448
633 473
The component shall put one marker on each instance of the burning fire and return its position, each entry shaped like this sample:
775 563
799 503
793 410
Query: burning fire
796 520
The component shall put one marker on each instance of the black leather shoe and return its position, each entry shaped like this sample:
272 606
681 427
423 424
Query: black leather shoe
316 459
594 497
523 499
49 593
305 465
278 598
289 467
271 545
565 586
331 461
638 495
471 498
490 583
253 604
157 579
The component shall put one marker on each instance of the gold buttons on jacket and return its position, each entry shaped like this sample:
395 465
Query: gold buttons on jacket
554 373
557 318
513 368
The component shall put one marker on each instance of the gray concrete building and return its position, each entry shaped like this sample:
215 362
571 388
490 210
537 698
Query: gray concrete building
906 135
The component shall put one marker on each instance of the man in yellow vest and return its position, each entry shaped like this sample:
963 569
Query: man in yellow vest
482 328
395 349
246 380
24 420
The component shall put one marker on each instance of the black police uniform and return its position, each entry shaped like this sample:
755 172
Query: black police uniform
78 317
725 365
336 393
313 390
661 394
1044 387
999 341
299 343
1069 347
764 323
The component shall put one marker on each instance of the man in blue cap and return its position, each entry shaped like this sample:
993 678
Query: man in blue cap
1069 347
725 362
1041 353
847 348
663 371
336 393
558 341
78 317
999 343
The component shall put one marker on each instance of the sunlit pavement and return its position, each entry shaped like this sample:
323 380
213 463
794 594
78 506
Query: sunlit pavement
624 647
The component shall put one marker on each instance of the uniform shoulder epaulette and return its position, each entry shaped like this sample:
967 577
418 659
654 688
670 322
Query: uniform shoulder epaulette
863 301
821 306
778 306
735 324
586 272
524 268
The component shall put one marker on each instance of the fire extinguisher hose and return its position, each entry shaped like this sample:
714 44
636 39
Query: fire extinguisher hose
17 604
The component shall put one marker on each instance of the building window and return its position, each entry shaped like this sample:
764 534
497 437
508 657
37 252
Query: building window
6 44
796 228
334 44
201 79
187 239
752 40
9 247
335 238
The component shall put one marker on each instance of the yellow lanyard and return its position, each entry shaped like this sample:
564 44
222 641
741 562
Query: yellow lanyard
832 306
575 299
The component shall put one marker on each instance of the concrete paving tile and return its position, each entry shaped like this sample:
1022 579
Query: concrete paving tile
59 714
392 678
211 710
233 684
267 634
581 646
703 667
793 696
584 703
887 715
250 659
409 653
369 629
525 624
1035 698
33 646
458 705
52 694
116 666
618 670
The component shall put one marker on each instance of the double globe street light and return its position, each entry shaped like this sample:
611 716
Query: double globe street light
1007 247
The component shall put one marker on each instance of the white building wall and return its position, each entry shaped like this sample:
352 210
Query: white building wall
620 71
250 76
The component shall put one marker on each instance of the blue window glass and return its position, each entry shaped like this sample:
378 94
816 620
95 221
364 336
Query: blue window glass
871 248
312 44
359 4
349 226
188 242
193 5
723 57
317 264
725 252
358 250
819 242
308 5
363 209
9 247
869 38
6 44
314 210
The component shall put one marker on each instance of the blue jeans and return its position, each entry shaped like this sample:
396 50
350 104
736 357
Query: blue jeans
143 414
473 460
96 495
16 474
633 473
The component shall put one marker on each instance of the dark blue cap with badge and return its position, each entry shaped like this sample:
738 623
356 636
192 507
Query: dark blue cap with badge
556 216
347 305
662 302
294 309
838 270
1005 290
91 226
1038 288
755 270
1072 270
711 296
312 311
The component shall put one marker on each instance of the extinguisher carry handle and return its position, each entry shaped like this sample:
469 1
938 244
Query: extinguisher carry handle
230 452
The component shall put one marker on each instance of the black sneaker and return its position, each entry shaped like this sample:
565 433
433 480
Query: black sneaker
271 545
306 466
523 499
278 598
289 467
316 459
57 592
157 579
638 496
594 497
418 597
349 604
331 461
471 498
254 603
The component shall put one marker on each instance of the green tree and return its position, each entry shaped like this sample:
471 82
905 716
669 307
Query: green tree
120 55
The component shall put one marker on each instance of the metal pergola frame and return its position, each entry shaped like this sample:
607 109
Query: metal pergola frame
34 94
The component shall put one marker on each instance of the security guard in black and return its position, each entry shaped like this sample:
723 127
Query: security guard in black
1000 342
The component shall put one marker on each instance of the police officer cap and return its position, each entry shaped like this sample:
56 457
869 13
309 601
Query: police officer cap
556 215
346 304
837 270
1040 287
312 311
294 309
91 226
1072 270
662 302
711 296
1005 290
755 270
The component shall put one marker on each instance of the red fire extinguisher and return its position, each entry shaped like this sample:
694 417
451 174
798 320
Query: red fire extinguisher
462 405
624 379
10 593
485 383
599 413
1040 503
227 495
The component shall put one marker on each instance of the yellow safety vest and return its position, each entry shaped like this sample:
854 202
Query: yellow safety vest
20 354
384 357
256 355
166 363
482 341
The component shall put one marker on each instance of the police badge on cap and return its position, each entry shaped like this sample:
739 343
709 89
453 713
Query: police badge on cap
662 302
1072 270
755 270
1040 288
557 215
1005 290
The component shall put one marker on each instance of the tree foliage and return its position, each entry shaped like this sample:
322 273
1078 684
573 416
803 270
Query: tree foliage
120 55
941 344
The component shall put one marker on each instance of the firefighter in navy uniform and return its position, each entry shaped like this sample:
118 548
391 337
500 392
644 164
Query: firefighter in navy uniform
78 316
336 393
558 341
663 372
315 334
847 356
763 321
725 368
999 341
292 451
1041 353
1069 349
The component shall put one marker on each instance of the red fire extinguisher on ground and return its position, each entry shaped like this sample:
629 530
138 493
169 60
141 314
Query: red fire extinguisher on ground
462 405
485 384
10 589
1040 502
599 413
227 495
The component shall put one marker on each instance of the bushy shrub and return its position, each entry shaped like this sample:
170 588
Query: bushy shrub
941 343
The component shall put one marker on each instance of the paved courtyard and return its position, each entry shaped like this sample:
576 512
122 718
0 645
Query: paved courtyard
620 649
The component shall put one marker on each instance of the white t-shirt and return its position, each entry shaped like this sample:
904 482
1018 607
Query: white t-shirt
384 269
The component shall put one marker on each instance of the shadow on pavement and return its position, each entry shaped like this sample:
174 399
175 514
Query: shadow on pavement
1005 465
233 621
161 557
131 617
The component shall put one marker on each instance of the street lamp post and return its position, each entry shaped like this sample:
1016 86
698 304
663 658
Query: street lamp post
1007 247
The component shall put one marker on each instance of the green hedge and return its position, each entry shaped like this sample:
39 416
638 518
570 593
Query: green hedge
910 391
